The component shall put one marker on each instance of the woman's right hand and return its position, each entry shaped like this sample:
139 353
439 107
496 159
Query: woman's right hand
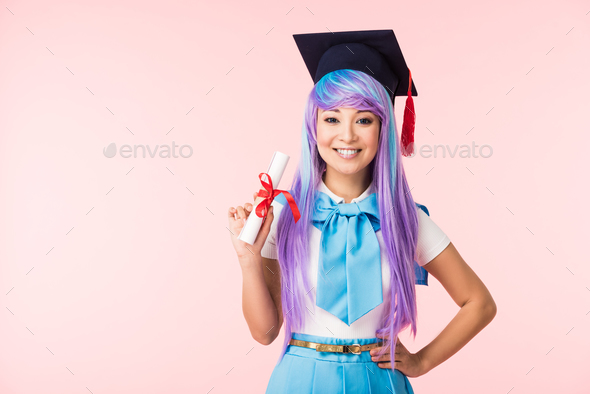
237 219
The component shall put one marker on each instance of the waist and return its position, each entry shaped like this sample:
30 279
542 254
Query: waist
352 350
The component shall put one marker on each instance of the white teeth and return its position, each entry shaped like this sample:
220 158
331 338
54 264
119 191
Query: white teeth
347 152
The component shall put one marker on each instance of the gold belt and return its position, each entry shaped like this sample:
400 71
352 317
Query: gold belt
323 347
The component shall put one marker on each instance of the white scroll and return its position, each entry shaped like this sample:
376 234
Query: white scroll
253 223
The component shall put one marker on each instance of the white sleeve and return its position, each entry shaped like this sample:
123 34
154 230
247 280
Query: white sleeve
431 239
269 249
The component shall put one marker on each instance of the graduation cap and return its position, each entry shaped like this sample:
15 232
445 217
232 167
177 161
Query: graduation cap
374 52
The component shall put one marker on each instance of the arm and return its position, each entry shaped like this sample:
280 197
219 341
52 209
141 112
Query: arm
261 277
468 291
261 286
261 298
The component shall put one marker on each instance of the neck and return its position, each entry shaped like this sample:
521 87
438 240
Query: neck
347 186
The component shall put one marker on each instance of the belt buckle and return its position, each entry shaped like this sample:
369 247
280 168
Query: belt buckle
357 349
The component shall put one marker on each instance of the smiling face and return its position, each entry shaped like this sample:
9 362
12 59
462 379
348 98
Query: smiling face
347 141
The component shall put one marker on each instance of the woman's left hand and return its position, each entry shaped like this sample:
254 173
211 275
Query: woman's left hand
407 363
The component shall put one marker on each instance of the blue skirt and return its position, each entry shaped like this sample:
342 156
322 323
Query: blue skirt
307 371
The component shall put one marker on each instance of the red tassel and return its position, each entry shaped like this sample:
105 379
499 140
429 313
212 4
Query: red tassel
407 138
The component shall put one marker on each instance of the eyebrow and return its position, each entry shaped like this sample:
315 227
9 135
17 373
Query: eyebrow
337 110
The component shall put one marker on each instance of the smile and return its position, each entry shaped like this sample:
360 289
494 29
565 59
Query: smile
347 153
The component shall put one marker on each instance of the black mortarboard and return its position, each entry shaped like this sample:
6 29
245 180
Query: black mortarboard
374 52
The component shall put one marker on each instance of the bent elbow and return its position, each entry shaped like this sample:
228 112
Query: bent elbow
264 339
269 336
490 309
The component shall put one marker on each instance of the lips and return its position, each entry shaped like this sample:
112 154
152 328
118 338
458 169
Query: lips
347 157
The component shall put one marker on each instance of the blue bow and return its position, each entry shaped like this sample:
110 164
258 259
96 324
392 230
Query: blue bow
349 271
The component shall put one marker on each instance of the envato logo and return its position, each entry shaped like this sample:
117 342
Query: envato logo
464 151
163 151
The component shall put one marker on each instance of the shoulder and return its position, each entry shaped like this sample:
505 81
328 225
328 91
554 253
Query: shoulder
423 217
431 238
425 223
422 208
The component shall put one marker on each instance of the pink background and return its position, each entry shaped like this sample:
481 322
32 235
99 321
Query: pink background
118 275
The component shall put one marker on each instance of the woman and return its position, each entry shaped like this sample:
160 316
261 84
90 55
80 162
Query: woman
332 276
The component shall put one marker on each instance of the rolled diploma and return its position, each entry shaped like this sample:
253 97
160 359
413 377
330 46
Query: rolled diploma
253 223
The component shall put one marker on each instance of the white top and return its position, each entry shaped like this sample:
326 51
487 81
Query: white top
431 241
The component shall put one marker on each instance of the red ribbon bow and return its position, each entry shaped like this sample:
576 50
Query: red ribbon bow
268 193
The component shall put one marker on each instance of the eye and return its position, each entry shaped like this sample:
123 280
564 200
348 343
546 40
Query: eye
365 121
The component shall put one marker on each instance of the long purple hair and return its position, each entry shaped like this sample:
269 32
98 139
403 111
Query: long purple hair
399 226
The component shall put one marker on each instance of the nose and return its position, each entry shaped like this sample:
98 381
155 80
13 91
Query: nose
347 132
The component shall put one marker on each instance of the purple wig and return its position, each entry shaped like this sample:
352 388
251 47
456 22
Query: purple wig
399 226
